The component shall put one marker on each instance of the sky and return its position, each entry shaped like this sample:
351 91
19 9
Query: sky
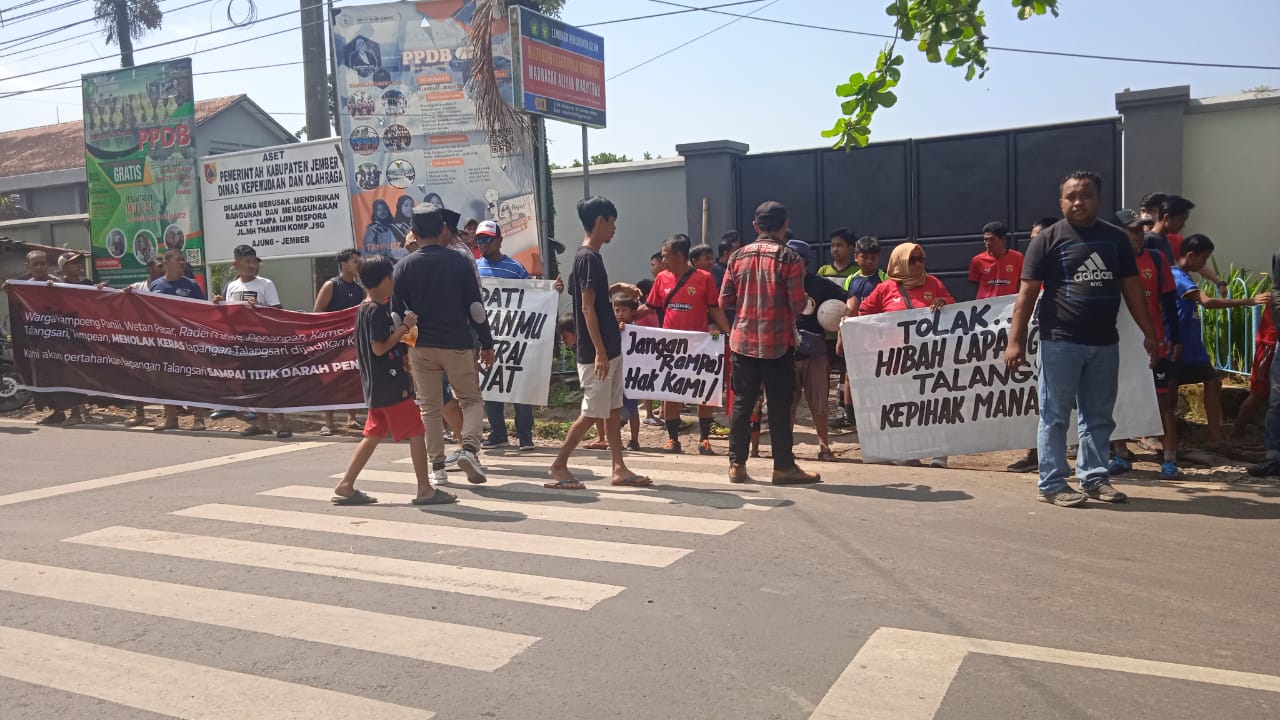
764 84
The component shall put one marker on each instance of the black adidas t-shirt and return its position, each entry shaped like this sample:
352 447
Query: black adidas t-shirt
1082 269
383 377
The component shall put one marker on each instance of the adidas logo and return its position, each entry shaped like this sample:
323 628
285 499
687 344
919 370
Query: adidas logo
1092 270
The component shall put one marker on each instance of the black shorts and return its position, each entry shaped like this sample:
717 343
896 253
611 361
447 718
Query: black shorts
1193 374
1162 373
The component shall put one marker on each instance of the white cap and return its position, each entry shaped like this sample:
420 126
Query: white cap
490 228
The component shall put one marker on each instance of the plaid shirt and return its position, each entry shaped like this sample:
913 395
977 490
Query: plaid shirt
764 284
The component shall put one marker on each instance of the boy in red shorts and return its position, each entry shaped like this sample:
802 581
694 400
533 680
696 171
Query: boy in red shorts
388 389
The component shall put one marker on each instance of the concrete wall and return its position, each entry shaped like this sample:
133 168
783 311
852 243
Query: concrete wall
650 195
1230 170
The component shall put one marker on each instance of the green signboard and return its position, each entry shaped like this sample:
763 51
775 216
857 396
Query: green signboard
140 159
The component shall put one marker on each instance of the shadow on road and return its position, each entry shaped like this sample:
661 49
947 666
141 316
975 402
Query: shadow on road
1205 502
909 492
16 430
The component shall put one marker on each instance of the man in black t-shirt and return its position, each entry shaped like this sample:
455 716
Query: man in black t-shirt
599 348
1086 267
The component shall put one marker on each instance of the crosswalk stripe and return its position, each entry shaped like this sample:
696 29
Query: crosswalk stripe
535 589
530 511
662 470
428 640
173 687
152 473
551 546
662 496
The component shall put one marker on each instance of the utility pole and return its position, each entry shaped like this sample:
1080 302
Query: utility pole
586 165
124 38
314 77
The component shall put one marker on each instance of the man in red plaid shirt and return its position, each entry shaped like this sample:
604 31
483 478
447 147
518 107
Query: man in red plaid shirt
764 284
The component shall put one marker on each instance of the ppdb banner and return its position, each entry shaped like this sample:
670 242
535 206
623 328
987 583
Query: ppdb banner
674 365
177 351
927 384
522 316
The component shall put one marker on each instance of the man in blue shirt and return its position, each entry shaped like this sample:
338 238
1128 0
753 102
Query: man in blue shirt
493 264
1194 366
175 282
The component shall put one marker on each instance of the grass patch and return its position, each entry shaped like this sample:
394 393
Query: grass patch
563 394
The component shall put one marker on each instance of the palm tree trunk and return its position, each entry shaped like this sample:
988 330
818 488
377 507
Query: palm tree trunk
124 36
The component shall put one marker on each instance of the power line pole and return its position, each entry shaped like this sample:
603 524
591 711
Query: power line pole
314 76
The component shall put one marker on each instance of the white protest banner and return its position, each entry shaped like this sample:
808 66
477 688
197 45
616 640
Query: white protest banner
284 201
927 384
522 316
674 365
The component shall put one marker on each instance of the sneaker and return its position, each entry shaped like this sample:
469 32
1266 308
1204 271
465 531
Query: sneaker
1066 497
451 462
1106 493
737 473
439 476
1169 469
1118 465
719 430
1267 468
939 462
470 464
673 447
653 422
490 444
449 436
527 446
220 414
704 448
795 476
1028 463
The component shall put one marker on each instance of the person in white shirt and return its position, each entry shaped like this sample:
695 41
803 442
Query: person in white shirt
249 287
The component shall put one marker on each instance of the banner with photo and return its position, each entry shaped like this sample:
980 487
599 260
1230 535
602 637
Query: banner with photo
926 384
522 316
408 118
140 163
283 201
177 351
674 365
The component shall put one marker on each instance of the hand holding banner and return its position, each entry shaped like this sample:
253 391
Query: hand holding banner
522 316
672 365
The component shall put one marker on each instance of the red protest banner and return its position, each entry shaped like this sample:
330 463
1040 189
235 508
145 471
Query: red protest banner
163 349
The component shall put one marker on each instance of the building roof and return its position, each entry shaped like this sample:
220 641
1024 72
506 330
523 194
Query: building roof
61 147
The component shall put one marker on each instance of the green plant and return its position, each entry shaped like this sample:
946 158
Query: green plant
563 395
1228 334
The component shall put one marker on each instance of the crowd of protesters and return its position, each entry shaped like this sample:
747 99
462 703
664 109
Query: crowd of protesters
762 296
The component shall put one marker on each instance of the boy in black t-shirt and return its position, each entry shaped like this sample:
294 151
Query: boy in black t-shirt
388 390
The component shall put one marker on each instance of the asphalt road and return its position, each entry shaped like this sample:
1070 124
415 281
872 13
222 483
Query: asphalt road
146 576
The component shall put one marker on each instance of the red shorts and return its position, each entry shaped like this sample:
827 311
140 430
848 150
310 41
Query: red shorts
1260 375
401 421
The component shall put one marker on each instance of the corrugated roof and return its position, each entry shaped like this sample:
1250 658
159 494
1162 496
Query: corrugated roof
61 147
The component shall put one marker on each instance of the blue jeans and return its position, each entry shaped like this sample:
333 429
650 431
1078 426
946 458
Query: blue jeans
1273 414
1084 376
496 412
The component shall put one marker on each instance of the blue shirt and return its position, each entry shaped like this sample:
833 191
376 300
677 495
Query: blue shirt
506 268
182 287
860 286
1193 350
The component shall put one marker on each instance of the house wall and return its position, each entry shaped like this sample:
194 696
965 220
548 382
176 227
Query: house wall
1231 164
650 195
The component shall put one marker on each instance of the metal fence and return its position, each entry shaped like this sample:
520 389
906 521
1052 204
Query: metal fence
1231 335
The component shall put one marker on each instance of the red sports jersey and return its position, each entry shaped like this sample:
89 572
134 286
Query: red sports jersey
689 306
996 276
1157 278
887 298
1266 331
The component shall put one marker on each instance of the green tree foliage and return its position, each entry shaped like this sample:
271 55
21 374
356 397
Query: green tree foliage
124 21
950 31
546 7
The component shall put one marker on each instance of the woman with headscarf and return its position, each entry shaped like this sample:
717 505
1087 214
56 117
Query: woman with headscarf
378 237
908 287
402 223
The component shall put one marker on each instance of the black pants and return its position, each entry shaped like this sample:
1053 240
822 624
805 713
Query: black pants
779 379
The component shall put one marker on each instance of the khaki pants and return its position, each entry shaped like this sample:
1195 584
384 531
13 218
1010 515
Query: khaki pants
430 365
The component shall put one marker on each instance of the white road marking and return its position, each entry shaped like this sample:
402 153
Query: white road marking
663 496
904 674
548 545
428 640
173 687
662 470
536 589
532 511
153 473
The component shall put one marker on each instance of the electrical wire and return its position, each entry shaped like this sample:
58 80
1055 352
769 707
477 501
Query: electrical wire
1026 51
42 12
687 43
15 42
668 13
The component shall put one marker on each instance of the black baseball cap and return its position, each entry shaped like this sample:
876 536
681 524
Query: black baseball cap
1127 218
244 251
771 214
429 219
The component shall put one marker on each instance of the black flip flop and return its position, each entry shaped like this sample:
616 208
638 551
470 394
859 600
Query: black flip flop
439 497
356 498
